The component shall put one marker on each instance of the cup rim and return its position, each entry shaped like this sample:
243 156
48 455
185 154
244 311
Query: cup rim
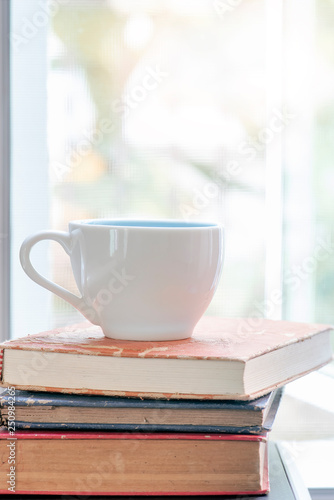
165 224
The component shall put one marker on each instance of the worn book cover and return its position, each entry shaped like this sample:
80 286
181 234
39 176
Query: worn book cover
226 358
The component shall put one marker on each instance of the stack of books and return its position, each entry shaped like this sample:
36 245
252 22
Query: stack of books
84 414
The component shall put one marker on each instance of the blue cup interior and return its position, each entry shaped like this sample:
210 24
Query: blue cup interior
151 223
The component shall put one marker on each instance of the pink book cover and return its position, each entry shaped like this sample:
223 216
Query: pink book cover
214 338
73 435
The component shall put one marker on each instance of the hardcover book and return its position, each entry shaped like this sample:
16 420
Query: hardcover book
226 358
114 463
285 480
40 410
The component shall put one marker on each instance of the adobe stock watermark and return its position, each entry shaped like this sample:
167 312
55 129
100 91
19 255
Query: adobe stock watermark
40 19
38 362
118 281
292 281
11 445
287 455
223 7
292 450
151 80
204 196
100 474
278 121
114 462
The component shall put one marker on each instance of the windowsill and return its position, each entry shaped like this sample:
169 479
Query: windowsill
305 424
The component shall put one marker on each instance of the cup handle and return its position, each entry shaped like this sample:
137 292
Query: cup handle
64 239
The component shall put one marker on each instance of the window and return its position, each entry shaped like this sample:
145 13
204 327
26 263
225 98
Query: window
196 109
143 108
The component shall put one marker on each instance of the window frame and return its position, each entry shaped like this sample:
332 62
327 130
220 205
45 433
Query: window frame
4 170
29 186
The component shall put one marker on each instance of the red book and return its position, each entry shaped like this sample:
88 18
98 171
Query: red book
132 464
226 358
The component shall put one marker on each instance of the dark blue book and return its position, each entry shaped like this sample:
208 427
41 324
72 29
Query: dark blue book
41 410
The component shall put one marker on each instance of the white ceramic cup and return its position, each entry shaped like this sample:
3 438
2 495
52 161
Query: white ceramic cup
139 280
